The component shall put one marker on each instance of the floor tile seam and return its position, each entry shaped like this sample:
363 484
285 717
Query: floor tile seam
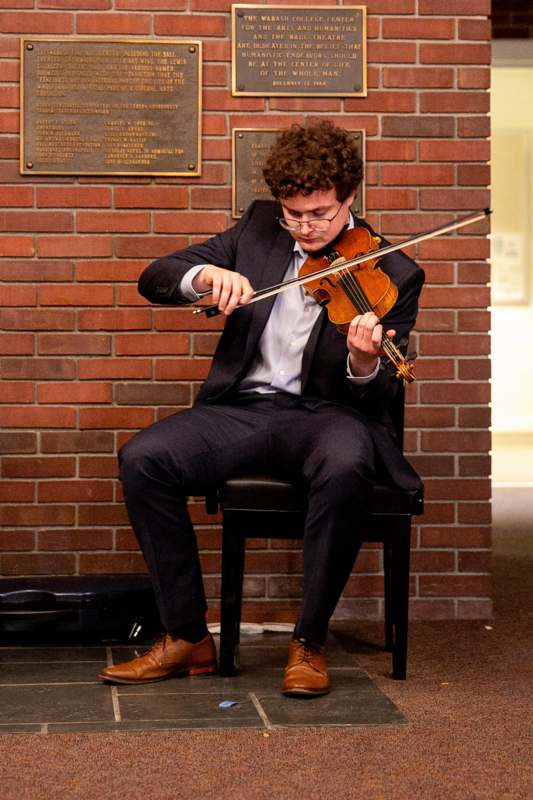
148 720
61 722
52 683
56 647
123 722
127 722
347 669
155 730
114 690
260 710
7 724
214 693
75 661
222 677
135 727
273 671
116 705
272 726
55 729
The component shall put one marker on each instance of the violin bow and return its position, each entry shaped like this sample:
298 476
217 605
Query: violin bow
262 294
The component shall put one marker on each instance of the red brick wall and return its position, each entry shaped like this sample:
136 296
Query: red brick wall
85 361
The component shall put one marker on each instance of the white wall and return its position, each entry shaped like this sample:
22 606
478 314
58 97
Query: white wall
512 273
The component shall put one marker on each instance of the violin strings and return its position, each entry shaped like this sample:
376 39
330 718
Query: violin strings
354 291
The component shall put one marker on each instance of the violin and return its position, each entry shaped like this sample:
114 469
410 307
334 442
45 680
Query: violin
348 282
355 290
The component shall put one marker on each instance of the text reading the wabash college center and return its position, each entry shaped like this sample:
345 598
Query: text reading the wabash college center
282 50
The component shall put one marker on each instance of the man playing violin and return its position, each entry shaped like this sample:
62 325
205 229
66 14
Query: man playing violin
288 393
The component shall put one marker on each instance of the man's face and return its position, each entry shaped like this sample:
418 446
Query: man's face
304 209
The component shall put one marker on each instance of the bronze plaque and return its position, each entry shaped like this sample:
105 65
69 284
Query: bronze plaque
250 149
299 50
114 107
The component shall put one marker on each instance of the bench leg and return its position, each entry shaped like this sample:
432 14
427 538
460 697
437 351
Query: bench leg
387 591
400 560
233 547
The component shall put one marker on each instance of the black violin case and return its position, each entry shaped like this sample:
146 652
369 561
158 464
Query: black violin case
84 607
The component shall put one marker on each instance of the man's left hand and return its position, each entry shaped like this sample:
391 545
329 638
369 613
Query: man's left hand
364 341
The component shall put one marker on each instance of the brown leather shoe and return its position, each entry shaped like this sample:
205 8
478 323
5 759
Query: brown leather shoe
306 673
166 658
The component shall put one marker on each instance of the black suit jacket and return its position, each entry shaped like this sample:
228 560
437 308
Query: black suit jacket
260 249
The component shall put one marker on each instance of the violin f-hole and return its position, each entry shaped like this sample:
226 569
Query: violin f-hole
321 296
328 280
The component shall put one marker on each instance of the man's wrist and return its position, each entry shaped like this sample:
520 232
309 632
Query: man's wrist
198 283
187 288
357 380
358 370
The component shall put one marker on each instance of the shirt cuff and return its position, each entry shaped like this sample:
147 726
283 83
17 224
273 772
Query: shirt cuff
186 287
360 380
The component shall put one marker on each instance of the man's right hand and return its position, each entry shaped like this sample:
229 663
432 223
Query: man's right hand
229 289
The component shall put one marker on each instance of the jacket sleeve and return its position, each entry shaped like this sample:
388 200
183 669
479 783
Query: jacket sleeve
160 281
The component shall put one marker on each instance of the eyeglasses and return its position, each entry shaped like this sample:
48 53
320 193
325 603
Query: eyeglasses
315 224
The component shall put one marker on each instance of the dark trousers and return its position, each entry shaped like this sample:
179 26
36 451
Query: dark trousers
324 446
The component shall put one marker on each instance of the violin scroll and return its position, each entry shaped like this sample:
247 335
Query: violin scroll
405 370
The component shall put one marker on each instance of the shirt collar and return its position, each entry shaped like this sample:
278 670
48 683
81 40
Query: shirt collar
297 249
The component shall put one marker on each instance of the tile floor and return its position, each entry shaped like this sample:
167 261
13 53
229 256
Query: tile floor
54 689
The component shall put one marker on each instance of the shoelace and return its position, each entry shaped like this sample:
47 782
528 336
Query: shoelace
160 641
305 652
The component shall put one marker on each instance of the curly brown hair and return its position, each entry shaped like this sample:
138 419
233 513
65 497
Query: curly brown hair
316 156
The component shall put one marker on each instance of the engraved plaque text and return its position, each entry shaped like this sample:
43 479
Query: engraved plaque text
298 51
95 106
